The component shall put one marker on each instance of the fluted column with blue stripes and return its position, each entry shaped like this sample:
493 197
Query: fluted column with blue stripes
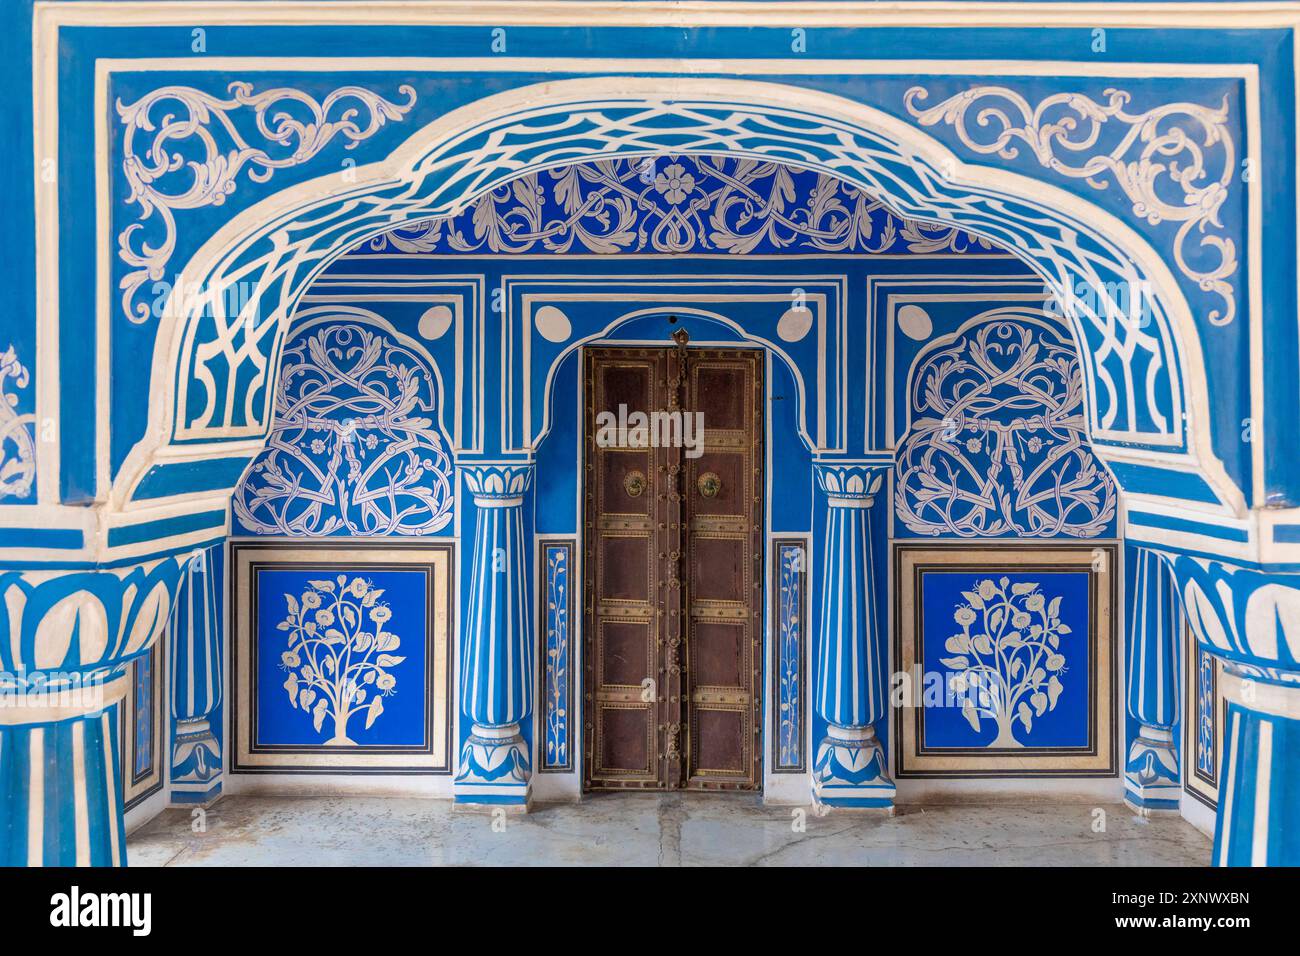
61 775
1258 821
1151 779
1249 619
196 682
850 769
67 640
496 672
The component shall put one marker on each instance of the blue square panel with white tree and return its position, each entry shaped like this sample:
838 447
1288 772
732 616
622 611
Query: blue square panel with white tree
1013 654
1007 660
342 658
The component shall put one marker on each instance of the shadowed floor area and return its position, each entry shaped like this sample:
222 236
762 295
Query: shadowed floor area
655 830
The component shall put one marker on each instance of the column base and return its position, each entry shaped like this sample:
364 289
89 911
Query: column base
849 772
196 764
181 797
1151 772
495 769
61 778
1259 785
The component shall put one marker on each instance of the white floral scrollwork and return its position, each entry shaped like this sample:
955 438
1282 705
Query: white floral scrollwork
1007 657
1173 162
354 448
997 442
339 659
1138 393
677 204
17 442
181 164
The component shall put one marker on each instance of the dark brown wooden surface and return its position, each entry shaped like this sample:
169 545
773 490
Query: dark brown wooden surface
673 575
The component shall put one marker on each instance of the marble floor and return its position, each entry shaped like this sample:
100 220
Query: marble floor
658 830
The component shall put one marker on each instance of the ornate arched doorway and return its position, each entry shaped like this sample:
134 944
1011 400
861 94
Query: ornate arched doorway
212 376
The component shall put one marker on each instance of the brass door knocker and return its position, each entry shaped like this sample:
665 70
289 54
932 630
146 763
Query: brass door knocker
634 483
709 484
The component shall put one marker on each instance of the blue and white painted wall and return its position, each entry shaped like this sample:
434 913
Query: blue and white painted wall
1010 650
385 360
1174 286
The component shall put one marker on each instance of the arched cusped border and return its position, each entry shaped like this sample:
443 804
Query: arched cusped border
280 244
612 334
320 313
325 315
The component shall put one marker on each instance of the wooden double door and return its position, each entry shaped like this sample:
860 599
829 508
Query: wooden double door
673 568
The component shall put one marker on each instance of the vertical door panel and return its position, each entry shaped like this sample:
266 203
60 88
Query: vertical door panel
622 594
724 515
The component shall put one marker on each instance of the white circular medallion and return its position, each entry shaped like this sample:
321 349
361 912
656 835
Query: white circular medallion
915 322
435 322
552 324
795 324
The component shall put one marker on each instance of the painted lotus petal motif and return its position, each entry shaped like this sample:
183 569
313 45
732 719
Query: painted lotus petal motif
497 481
859 482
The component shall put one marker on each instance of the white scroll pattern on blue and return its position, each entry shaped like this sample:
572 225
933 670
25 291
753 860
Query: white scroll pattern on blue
354 448
997 443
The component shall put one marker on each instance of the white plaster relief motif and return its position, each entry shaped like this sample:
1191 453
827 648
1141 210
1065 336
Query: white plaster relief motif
182 165
17 441
997 443
354 448
1174 162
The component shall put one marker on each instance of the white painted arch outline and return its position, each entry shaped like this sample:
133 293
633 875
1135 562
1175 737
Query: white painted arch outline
610 335
350 211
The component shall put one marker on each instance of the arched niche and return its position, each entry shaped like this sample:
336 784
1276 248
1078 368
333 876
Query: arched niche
213 374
